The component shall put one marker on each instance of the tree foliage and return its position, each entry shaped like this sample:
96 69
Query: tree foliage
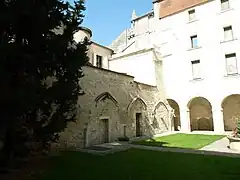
40 68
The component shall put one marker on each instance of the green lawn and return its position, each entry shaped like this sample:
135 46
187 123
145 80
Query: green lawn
191 141
136 164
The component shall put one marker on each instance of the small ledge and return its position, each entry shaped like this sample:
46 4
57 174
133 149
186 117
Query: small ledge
195 48
196 80
167 55
228 40
226 10
167 29
192 21
232 76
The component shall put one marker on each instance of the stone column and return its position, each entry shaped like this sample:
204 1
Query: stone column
171 119
185 120
218 121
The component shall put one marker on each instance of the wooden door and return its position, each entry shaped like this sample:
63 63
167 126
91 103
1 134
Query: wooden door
106 131
138 124
85 137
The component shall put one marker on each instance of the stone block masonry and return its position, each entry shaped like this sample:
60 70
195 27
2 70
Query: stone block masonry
115 105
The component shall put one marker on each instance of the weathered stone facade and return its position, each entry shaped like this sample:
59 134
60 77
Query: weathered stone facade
231 111
112 104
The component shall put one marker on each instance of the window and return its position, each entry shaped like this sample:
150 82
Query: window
196 69
99 61
194 41
225 4
228 33
231 63
192 15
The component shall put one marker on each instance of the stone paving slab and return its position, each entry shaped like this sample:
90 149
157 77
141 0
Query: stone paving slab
110 148
220 146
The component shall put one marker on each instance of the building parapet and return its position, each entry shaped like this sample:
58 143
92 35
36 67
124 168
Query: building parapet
107 70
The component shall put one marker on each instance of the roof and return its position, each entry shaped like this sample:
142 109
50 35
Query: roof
107 70
86 29
154 1
147 14
102 46
170 7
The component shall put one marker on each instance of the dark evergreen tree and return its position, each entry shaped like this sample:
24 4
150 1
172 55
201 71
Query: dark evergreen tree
40 69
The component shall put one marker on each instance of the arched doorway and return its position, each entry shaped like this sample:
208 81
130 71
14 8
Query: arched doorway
107 119
201 118
137 112
176 118
231 111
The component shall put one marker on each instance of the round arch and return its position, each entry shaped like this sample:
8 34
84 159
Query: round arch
231 111
201 118
176 118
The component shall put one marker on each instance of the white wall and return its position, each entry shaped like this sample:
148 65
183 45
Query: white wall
95 50
143 29
137 58
172 35
174 38
140 65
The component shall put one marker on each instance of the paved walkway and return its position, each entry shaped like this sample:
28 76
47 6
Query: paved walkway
220 146
109 148
188 151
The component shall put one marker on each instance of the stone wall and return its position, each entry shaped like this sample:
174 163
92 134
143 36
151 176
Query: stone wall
231 112
112 100
201 114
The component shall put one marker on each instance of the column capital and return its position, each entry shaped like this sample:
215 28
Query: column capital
218 120
186 110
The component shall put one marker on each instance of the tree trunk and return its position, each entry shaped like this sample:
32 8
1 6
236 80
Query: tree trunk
7 151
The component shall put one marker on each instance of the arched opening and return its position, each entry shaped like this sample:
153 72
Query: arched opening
136 111
201 118
231 111
176 116
106 121
105 95
161 121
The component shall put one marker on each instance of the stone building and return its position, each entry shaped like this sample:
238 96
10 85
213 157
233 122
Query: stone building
175 68
198 44
114 104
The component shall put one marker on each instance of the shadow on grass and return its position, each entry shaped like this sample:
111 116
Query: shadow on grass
151 142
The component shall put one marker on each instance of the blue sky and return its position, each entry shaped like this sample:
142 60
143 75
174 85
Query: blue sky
108 18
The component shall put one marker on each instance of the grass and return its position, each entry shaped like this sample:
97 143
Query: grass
190 141
136 164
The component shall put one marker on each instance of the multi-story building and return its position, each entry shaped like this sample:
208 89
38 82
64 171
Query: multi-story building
198 44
